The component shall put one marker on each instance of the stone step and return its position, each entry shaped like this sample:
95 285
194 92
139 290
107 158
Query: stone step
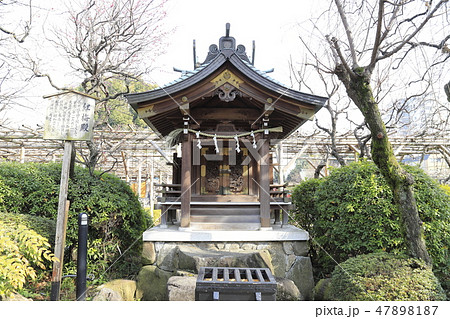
224 226
224 211
225 218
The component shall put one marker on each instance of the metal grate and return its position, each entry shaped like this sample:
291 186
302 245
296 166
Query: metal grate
225 283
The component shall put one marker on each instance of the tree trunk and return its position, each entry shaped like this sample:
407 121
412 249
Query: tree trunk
359 90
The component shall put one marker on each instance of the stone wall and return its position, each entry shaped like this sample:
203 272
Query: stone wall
288 261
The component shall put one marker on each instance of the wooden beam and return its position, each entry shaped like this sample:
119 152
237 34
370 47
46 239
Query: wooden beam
303 111
229 113
186 162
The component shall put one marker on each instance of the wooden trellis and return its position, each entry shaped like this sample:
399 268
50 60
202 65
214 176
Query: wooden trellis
132 155
124 153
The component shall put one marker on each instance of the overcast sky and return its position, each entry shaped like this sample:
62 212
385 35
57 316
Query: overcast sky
272 24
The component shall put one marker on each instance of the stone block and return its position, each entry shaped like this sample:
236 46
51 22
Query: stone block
181 288
107 294
220 246
192 259
266 260
233 247
301 248
152 283
167 257
116 290
288 247
301 274
278 258
287 290
148 253
248 246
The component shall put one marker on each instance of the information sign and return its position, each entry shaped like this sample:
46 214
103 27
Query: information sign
70 117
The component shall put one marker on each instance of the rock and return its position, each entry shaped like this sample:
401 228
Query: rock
126 290
107 294
320 291
288 248
192 259
15 297
148 253
181 288
301 274
301 248
151 283
287 290
248 246
278 258
167 257
266 259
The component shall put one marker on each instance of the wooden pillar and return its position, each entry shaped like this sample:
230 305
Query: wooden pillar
186 162
61 223
280 166
264 186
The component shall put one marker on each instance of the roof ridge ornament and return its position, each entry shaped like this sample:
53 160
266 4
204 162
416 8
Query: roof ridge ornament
227 46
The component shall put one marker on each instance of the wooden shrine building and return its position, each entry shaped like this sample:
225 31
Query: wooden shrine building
226 114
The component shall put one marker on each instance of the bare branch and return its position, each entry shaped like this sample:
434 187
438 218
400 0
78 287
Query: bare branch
377 34
348 32
27 28
414 33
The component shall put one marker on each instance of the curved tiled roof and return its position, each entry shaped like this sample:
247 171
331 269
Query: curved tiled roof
288 108
206 69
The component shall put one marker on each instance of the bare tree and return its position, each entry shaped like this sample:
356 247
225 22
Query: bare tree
110 40
20 30
367 36
13 32
333 106
106 43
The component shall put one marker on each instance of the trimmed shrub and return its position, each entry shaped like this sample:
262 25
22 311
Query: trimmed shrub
384 276
116 218
446 188
305 205
355 214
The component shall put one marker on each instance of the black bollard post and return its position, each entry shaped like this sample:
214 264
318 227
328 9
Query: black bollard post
82 256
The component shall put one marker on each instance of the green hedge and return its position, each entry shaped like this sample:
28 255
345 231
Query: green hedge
116 218
353 213
383 276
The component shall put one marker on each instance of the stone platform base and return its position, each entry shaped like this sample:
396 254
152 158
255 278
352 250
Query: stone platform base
170 252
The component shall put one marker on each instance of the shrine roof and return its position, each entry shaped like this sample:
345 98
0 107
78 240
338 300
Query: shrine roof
217 56
190 78
290 108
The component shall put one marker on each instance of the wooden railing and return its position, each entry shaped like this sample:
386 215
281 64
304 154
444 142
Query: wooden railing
280 203
170 200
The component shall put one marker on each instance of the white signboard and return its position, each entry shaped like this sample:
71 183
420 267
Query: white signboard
70 116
